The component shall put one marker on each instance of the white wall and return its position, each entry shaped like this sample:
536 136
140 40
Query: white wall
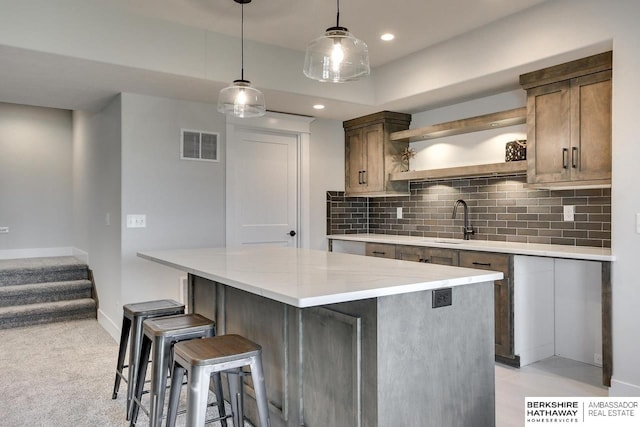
471 148
326 173
35 177
183 200
96 203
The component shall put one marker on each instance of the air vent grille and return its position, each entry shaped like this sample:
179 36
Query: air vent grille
199 145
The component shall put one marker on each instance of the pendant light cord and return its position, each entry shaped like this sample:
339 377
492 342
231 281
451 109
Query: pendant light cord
242 43
338 13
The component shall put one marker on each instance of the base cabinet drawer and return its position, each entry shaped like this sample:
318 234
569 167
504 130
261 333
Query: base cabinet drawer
486 261
380 250
428 255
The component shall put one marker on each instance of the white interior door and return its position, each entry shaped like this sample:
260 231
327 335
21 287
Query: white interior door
262 188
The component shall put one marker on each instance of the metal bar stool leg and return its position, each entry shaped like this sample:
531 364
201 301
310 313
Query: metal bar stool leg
134 356
197 390
177 375
217 384
236 397
145 350
260 390
161 353
124 337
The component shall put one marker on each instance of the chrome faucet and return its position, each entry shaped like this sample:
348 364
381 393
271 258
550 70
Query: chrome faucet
468 230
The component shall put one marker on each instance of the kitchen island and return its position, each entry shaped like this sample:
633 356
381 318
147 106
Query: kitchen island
350 340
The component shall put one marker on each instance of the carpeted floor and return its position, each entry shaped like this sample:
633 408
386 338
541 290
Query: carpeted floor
61 375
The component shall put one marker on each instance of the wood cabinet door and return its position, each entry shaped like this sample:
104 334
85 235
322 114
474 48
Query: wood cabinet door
503 314
591 127
503 296
374 171
356 153
549 133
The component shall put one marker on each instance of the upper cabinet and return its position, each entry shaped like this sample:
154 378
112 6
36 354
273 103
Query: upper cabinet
371 156
569 123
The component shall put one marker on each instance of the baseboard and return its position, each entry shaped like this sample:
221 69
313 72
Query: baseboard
622 389
536 354
514 363
35 252
80 254
109 325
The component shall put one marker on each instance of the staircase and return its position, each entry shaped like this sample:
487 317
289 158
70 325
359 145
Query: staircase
44 290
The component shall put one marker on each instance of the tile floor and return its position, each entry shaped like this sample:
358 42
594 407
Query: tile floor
555 376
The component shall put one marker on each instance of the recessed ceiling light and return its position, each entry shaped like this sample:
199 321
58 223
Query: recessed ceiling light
387 37
319 107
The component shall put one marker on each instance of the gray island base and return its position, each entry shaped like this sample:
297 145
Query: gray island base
386 361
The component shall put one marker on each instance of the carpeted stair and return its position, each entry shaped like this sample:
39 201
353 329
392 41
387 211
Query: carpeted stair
44 290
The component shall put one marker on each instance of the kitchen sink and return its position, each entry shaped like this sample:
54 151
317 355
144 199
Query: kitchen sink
450 241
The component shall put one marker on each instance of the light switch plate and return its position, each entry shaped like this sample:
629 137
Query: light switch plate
569 213
638 223
399 213
136 221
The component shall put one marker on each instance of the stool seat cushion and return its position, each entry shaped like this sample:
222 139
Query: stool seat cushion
178 324
157 307
209 351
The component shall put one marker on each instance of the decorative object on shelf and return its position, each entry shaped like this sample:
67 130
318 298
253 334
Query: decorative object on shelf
515 150
406 154
337 56
240 99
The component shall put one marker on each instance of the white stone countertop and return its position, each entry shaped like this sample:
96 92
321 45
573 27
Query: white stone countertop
554 251
307 278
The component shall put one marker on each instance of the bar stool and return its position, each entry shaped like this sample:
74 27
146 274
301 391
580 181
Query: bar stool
135 314
201 359
161 334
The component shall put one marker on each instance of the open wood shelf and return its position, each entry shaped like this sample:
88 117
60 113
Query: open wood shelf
516 116
493 169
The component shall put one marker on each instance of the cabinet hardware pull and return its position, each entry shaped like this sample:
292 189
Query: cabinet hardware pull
574 151
359 177
364 177
485 264
378 253
565 154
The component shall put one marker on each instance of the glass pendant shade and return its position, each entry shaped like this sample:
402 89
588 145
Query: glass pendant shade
336 57
241 100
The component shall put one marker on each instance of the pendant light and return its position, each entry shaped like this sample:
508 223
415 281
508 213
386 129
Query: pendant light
240 99
337 56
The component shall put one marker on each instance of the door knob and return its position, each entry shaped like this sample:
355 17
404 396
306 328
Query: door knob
292 233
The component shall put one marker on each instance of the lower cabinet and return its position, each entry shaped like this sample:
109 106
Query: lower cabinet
503 298
562 304
503 289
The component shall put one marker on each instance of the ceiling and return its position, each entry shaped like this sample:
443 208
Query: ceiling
417 24
53 80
